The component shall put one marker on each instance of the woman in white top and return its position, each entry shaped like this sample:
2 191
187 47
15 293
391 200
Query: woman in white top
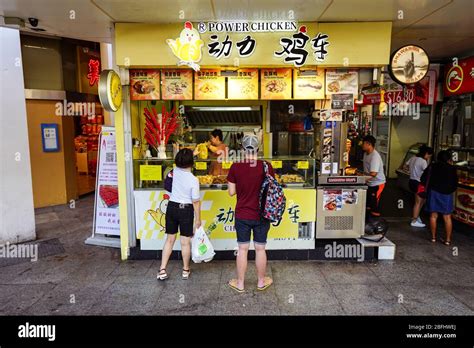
183 212
417 165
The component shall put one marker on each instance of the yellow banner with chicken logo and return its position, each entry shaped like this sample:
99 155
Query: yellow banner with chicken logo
218 214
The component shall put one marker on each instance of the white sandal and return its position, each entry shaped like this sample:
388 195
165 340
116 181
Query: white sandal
186 273
162 275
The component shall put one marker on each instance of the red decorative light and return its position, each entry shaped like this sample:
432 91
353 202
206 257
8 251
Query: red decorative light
94 71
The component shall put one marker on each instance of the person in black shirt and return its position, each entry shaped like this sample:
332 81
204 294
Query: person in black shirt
440 180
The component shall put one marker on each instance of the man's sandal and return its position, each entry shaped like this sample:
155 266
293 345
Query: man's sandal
267 282
186 273
162 275
233 285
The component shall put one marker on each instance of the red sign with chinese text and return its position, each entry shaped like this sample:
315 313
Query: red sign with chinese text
94 71
459 78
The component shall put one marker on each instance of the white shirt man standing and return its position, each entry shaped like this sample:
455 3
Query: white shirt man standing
373 167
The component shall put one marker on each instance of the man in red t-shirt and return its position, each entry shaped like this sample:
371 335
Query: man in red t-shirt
245 179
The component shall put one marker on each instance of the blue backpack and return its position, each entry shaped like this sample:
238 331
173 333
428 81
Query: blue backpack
272 197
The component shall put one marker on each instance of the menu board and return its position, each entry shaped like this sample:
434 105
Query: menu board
342 101
342 81
308 86
144 84
275 83
209 85
244 85
177 84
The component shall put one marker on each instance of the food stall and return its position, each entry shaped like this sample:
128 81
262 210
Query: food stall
225 80
455 133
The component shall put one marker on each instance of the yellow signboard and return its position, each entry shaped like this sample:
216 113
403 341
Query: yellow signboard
164 45
201 165
302 165
277 164
219 209
150 173
226 165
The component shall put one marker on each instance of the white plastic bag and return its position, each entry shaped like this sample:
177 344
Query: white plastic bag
201 247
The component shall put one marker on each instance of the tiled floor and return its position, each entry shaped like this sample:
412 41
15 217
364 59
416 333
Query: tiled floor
424 279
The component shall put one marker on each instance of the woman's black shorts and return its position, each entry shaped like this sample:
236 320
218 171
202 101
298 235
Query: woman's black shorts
180 216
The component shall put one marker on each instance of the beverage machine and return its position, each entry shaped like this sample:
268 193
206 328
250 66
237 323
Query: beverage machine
341 191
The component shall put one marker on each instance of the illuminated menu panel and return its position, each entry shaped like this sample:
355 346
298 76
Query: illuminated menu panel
209 85
244 85
275 83
144 84
177 84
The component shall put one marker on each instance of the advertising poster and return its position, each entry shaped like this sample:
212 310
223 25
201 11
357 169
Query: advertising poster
107 217
308 86
177 84
209 85
275 84
144 84
342 81
244 85
349 196
332 200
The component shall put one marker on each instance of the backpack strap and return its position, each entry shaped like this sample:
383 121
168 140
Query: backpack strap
265 167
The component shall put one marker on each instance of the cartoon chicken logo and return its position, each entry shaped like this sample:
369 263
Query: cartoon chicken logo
187 47
159 215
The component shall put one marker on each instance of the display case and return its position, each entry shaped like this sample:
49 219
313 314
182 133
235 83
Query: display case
290 171
296 230
464 203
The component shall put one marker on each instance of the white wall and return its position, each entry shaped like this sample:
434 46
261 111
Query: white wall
17 219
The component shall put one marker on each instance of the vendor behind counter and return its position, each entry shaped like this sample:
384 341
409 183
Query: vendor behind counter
216 148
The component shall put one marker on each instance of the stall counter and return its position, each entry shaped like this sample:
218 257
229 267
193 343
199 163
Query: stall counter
295 231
